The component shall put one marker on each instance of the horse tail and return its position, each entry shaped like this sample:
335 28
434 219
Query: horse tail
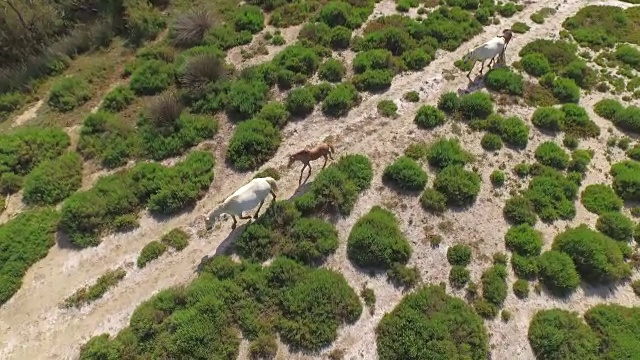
333 150
272 183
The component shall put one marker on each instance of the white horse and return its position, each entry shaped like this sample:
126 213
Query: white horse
489 50
244 199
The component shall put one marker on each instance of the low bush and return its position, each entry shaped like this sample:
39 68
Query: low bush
387 108
615 225
520 27
497 178
449 102
252 144
628 55
264 347
525 267
459 254
404 276
340 100
69 93
429 117
376 241
505 81
459 186
246 98
446 152
411 96
577 121
143 21
406 174
570 142
117 99
9 102
417 150
433 201
94 292
524 240
24 240
551 154
332 70
566 90
580 160
373 80
597 257
25 147
476 105
628 119
626 179
459 276
108 138
548 118
515 132
599 199
521 288
552 195
520 210
276 113
535 64
300 101
176 239
560 334
634 152
249 18
149 252
151 77
53 180
424 309
494 285
557 272
491 142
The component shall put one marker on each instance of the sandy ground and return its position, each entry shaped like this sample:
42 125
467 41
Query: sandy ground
33 326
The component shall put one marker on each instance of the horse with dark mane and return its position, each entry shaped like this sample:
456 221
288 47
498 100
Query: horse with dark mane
307 155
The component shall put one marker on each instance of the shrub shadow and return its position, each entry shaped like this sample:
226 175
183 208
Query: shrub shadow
601 291
64 241
190 207
399 190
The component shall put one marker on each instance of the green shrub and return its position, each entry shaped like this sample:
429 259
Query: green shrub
525 266
69 93
373 80
548 118
24 240
264 347
376 241
276 113
459 254
628 55
607 108
402 275
476 105
149 252
520 210
580 160
176 238
108 138
433 201
497 178
570 141
25 147
558 272
520 27
515 132
10 183
551 154
252 144
566 90
429 117
494 285
597 257
459 186
578 71
521 288
416 59
332 70
599 199
340 100
9 102
559 53
615 225
376 59
417 150
491 142
628 119
369 298
635 286
535 64
411 96
300 101
507 10
459 276
91 293
552 195
249 18
577 121
142 21
446 152
53 180
485 309
151 77
246 98
387 108
505 81
427 308
524 240
449 102
634 152
560 334
406 174
117 99
625 179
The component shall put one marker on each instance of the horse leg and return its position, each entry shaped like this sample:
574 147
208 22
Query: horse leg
325 161
470 70
274 196
235 222
302 172
491 62
259 207
482 67
308 175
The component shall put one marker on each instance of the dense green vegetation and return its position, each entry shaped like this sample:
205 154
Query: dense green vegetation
52 181
599 198
406 174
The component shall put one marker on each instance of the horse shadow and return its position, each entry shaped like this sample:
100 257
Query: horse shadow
478 82
224 248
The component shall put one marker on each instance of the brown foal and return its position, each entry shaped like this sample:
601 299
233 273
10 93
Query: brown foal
307 155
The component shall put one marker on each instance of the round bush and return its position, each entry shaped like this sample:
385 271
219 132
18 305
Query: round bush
406 332
521 288
535 64
497 178
566 90
447 152
477 105
505 81
551 154
608 108
149 252
628 119
52 181
449 102
332 70
10 183
491 142
548 118
416 59
433 201
373 80
558 272
519 210
252 144
340 100
151 77
524 240
459 254
515 132
411 96
577 121
524 266
340 37
459 276
300 101
387 108
460 186
615 225
117 99
406 174
429 117
599 199
246 98
559 334
249 18
68 93
275 113
376 241
494 284
570 141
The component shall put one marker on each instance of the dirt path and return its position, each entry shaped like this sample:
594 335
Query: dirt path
33 327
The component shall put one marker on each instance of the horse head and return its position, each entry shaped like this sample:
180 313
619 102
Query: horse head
507 34
210 219
466 56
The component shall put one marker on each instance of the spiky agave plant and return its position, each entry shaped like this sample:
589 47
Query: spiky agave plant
190 28
201 70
